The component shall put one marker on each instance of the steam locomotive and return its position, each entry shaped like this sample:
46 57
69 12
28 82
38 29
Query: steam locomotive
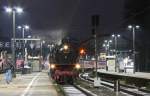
64 68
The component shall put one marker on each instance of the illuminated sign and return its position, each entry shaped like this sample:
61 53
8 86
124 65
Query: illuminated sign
5 44
8 44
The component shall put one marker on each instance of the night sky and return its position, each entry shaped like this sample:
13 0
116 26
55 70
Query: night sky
55 19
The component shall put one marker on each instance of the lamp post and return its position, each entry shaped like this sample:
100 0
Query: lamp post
95 45
107 45
133 34
116 36
24 27
13 11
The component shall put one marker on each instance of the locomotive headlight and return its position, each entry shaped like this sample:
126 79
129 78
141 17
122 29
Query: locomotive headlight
66 47
77 66
52 66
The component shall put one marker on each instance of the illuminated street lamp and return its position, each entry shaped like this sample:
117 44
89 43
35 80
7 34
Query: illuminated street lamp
8 9
107 45
133 28
27 27
23 28
43 42
29 36
116 36
14 10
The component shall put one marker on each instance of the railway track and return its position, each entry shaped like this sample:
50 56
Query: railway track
71 90
123 88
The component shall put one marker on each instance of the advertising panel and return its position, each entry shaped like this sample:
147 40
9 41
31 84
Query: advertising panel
18 63
102 61
111 65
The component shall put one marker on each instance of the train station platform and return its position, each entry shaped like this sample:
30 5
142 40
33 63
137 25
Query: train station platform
34 84
140 75
137 79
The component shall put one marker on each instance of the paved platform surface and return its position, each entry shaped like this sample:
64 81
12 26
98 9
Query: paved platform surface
141 75
34 84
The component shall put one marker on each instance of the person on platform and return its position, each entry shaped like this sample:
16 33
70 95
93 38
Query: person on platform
22 67
8 72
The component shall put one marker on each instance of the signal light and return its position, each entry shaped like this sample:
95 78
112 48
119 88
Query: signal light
82 51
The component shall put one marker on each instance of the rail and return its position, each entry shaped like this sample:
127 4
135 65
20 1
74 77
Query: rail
71 90
123 88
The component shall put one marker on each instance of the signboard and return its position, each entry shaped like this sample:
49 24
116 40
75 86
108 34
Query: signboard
5 44
102 61
101 64
111 64
18 63
35 63
92 64
8 44
102 57
88 64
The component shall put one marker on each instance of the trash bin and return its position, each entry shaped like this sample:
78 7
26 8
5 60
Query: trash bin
27 69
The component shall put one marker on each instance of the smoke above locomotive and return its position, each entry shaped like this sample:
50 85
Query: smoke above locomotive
67 52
